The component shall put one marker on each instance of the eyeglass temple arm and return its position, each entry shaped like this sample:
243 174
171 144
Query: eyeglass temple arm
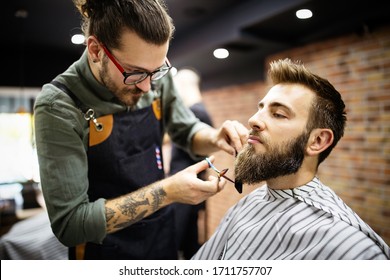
112 58
168 62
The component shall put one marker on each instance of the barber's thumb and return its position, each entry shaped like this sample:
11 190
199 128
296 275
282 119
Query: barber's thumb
202 165
228 148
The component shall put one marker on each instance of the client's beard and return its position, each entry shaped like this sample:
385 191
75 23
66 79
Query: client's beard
280 160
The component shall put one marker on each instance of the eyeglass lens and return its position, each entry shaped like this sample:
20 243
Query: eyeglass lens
139 77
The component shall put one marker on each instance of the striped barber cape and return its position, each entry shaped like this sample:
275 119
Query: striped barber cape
32 239
309 222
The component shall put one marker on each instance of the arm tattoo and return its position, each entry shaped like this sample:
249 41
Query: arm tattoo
128 209
130 205
129 223
158 196
109 213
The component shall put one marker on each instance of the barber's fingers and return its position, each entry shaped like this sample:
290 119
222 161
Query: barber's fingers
232 136
239 135
211 186
186 187
220 182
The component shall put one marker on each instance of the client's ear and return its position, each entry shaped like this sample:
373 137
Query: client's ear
320 139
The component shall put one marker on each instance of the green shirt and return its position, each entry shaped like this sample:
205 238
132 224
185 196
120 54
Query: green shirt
62 141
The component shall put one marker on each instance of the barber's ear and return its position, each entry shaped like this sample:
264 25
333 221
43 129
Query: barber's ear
320 139
94 48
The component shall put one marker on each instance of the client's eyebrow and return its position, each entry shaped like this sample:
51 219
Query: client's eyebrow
277 105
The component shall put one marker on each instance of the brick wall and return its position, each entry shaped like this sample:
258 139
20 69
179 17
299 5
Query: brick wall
359 167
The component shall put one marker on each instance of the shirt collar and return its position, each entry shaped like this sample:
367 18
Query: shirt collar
300 191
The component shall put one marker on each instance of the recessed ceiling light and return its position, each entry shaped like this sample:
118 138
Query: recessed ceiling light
21 13
221 53
78 39
304 14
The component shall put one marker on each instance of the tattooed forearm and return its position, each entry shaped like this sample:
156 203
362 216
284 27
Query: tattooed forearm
133 207
129 223
158 195
129 206
110 213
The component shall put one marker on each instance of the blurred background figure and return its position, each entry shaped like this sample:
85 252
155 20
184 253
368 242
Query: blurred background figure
190 219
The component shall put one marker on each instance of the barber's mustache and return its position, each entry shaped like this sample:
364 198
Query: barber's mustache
136 91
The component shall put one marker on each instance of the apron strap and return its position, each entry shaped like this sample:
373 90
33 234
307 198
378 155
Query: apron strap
88 113
76 100
76 253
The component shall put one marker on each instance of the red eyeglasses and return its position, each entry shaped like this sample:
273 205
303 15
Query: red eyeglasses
137 77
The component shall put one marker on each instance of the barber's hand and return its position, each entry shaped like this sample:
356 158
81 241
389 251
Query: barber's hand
185 187
231 137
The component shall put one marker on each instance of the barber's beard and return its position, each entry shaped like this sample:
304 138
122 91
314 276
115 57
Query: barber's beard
283 159
128 96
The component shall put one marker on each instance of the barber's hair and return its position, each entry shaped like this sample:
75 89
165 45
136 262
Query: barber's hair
107 19
328 108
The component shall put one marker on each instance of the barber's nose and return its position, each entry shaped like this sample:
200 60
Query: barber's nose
145 85
256 122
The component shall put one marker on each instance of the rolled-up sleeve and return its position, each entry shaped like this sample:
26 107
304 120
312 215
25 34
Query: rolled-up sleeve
60 133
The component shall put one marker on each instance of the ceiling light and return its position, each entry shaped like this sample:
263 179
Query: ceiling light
221 53
21 13
78 39
304 14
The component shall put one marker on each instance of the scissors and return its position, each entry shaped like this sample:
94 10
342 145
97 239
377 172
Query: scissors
237 185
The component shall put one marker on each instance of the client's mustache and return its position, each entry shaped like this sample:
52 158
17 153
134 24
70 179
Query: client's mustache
258 135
